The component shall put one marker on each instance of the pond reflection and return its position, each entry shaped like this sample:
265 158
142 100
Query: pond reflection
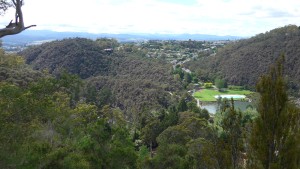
212 107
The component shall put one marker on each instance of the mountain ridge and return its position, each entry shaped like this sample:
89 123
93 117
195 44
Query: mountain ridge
29 36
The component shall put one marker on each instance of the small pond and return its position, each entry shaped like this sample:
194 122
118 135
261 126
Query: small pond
212 107
229 96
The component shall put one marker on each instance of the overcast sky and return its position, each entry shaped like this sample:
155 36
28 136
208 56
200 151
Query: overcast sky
217 17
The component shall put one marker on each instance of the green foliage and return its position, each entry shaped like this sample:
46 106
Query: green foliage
151 131
220 83
275 133
170 156
77 56
14 70
192 106
143 157
179 71
127 99
232 128
231 87
182 105
204 114
121 79
243 62
41 128
178 145
106 43
100 98
208 85
156 124
27 112
75 161
11 60
188 78
93 134
200 154
140 84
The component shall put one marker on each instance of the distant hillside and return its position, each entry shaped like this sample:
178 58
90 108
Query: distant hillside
243 62
132 83
30 36
78 56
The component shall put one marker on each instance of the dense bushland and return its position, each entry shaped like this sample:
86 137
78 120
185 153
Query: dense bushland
243 62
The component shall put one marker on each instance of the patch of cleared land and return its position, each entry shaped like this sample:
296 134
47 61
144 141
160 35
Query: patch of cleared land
209 94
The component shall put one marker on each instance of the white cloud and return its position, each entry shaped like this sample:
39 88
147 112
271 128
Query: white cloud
221 17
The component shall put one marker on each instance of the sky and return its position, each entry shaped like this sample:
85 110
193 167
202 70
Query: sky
215 17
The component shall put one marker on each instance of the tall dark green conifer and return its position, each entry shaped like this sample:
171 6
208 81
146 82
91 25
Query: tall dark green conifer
182 106
232 127
273 142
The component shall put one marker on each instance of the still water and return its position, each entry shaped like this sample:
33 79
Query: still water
212 107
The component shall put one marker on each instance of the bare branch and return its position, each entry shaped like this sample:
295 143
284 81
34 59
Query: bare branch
17 26
15 3
4 5
29 26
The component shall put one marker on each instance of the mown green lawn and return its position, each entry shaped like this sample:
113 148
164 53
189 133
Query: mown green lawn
208 94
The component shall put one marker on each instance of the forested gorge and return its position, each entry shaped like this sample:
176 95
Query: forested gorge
244 61
127 81
79 103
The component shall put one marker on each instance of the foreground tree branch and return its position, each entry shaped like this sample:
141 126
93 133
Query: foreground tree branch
17 26
4 5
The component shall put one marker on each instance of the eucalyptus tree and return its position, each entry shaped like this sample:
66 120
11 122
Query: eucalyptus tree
16 25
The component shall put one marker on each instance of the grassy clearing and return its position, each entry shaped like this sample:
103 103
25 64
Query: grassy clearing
208 94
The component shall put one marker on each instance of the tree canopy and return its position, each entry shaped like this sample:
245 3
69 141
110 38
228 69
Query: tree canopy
275 135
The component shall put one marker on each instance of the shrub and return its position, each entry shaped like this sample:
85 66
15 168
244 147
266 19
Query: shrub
208 85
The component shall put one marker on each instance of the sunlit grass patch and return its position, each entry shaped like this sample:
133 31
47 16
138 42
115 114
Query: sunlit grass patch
209 94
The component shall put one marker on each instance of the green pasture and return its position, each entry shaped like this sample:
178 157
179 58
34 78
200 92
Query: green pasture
208 94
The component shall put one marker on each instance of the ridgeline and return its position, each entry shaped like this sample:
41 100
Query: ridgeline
243 62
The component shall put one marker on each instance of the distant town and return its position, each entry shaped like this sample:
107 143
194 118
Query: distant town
159 45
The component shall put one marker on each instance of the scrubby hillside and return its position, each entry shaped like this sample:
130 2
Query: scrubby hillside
120 78
78 56
139 85
14 70
243 62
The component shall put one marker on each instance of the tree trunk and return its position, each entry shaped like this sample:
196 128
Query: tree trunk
18 26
